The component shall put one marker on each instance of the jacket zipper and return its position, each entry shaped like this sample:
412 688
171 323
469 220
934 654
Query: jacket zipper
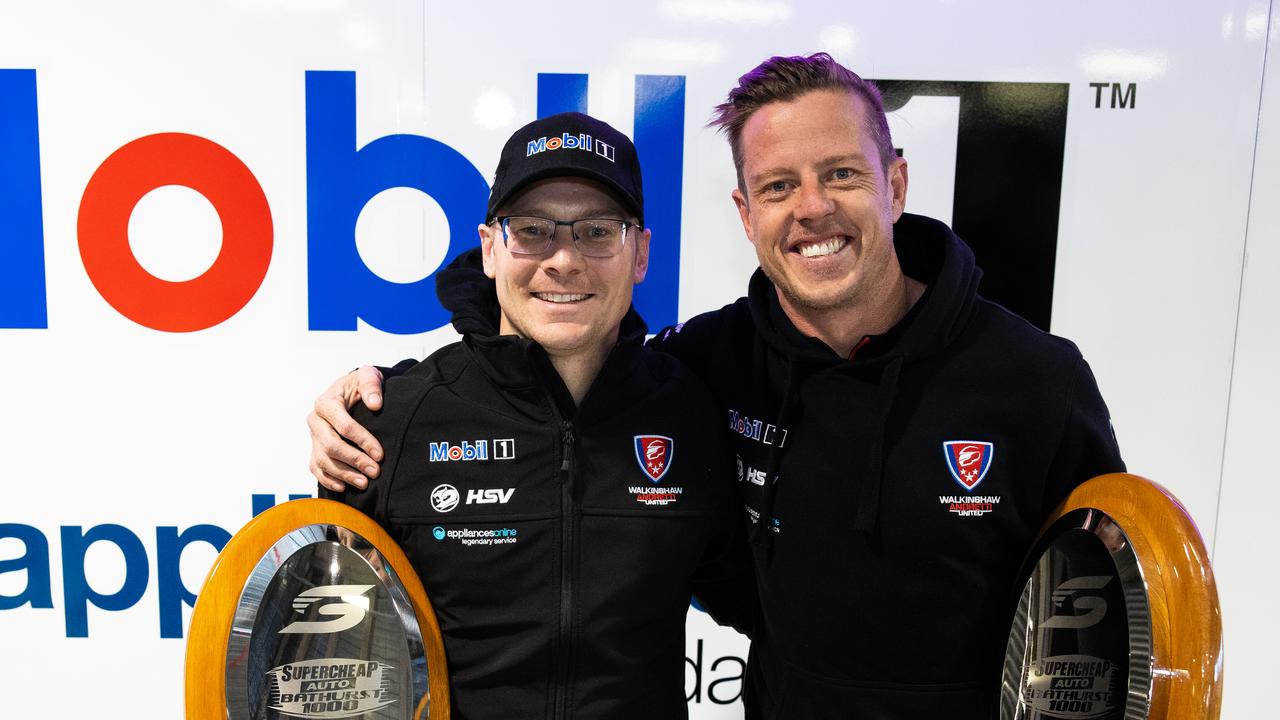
567 541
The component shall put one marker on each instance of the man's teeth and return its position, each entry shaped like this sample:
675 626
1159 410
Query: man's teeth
561 297
823 248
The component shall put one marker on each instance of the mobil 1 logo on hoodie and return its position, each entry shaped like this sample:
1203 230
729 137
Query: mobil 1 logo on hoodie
987 159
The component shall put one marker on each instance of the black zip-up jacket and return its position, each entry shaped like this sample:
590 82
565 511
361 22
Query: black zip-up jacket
559 545
899 491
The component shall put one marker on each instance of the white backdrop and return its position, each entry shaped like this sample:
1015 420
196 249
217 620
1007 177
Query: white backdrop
1167 236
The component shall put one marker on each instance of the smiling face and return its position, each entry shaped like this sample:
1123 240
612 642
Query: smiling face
567 303
819 204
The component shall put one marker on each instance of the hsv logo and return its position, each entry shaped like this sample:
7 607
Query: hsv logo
654 453
492 495
968 461
350 611
444 498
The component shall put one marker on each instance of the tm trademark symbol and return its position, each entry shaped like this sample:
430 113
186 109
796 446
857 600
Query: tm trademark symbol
1124 97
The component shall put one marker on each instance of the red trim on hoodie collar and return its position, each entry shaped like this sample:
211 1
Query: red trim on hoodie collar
861 344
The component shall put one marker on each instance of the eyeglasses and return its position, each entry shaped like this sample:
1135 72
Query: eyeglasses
594 237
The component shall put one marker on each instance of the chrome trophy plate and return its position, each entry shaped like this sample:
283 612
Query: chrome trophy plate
324 629
1080 644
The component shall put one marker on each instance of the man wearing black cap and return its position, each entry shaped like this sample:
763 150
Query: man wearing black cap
560 489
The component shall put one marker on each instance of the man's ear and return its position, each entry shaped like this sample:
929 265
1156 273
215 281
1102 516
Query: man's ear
898 185
744 212
488 235
642 256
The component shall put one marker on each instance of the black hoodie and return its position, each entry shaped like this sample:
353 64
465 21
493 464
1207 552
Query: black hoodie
559 545
899 490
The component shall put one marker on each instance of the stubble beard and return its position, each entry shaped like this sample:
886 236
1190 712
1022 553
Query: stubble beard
848 297
861 290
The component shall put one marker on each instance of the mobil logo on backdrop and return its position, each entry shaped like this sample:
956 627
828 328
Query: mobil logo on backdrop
341 179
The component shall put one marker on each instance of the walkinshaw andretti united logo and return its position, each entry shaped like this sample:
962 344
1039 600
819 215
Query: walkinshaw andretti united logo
654 455
968 461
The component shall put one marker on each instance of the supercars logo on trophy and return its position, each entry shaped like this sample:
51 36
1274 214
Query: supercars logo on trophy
350 611
654 453
968 461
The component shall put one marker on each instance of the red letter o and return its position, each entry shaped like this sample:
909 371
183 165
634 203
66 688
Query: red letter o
211 170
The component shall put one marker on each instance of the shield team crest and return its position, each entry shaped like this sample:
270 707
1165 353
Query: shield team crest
968 461
654 454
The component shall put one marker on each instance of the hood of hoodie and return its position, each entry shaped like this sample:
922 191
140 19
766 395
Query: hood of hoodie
472 298
928 251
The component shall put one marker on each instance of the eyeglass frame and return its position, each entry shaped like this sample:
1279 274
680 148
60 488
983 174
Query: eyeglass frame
556 224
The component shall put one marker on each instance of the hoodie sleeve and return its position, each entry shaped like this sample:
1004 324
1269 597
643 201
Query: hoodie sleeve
723 583
701 341
1087 445
398 369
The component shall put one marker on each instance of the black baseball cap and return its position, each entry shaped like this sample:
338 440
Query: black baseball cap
568 144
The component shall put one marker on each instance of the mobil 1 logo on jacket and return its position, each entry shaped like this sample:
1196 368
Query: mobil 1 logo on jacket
469 450
967 463
654 456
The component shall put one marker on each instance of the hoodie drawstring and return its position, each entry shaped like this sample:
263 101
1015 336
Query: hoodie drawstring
868 511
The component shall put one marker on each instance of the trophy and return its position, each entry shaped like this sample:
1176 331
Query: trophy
312 611
1118 616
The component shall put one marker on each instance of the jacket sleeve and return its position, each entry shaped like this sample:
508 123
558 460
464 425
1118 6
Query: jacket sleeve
723 583
1087 445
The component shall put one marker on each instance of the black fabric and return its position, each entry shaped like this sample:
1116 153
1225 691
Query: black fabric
469 295
885 585
565 573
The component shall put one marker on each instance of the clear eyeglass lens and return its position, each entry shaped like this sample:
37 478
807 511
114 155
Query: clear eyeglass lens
595 237
598 238
528 235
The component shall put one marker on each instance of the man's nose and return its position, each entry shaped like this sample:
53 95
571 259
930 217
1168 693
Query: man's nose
565 258
813 201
